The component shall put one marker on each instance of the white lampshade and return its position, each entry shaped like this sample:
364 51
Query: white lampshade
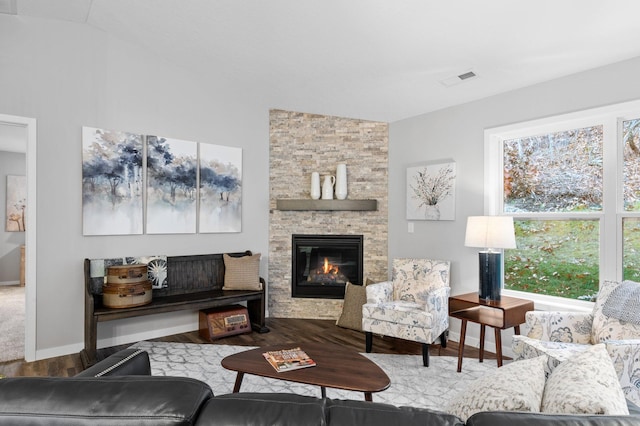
490 232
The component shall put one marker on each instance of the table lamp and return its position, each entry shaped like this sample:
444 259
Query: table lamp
493 233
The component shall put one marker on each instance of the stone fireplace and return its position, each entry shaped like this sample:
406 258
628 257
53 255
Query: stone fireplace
321 265
300 144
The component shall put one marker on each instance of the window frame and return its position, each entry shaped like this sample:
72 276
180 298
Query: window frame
612 213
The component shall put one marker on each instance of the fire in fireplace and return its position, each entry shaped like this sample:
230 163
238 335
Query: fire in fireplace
322 265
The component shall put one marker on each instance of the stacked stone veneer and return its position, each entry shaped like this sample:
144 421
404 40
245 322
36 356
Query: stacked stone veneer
303 143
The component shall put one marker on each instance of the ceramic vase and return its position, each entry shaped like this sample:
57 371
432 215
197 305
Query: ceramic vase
341 182
327 187
315 186
432 212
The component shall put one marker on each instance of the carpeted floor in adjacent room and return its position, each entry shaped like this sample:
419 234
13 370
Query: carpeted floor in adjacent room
11 322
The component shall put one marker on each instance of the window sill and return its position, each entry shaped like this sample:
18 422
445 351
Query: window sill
551 303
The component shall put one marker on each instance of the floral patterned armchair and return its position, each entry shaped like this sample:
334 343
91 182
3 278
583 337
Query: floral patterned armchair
414 305
560 335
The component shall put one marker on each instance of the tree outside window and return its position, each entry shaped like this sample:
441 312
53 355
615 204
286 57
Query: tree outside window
631 190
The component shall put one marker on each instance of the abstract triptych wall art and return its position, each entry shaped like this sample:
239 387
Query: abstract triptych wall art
135 184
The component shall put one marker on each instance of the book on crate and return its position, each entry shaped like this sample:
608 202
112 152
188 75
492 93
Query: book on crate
288 359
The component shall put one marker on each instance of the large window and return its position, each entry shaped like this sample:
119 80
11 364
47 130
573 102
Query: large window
631 191
572 184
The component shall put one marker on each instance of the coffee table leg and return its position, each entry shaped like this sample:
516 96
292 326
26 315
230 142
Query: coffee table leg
323 391
367 396
236 387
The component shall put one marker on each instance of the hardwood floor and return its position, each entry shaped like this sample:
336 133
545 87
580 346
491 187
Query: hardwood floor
282 330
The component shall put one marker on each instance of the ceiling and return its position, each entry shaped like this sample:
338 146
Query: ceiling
373 59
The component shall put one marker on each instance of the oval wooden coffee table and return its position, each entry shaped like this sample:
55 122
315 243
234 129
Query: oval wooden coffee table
336 367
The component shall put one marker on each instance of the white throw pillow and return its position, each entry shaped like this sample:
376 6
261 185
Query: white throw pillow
517 386
585 384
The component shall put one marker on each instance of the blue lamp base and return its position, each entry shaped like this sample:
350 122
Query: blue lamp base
490 275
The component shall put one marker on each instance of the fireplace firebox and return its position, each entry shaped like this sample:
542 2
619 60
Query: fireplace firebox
322 264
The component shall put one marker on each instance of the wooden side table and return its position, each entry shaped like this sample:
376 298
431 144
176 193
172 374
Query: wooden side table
499 314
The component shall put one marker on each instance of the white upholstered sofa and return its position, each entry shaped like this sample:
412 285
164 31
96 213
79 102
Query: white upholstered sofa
560 335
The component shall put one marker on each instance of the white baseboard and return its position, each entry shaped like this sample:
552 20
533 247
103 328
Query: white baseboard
115 341
153 334
58 351
9 282
489 345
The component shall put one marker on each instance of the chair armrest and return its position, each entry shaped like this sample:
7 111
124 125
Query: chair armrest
438 305
438 300
128 400
624 354
380 292
127 362
567 327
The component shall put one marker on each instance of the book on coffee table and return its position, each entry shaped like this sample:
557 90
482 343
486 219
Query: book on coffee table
288 359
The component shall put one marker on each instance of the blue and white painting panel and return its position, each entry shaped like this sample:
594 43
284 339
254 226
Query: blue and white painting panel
220 188
111 182
171 186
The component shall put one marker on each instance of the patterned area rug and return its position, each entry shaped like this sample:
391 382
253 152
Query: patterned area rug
411 383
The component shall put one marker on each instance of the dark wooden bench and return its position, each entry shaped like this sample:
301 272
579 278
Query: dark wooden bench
195 283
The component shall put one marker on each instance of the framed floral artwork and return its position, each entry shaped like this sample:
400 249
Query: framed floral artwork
431 191
16 203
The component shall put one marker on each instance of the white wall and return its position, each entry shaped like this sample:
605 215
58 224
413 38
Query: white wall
458 133
66 76
11 163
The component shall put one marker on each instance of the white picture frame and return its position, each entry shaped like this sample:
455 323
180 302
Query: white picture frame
431 191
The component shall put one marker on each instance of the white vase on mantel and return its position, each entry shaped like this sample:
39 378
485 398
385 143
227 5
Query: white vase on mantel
327 187
341 182
315 186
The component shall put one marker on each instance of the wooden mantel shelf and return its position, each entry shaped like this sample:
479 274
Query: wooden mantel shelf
334 205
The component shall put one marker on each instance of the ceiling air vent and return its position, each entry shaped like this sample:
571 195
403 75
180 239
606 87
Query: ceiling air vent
467 75
452 81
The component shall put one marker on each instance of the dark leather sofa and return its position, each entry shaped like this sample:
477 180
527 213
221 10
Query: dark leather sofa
121 391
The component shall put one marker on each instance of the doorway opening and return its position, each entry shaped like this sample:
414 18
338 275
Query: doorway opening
27 127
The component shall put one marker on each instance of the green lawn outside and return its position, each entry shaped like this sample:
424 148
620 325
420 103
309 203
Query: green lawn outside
631 234
556 258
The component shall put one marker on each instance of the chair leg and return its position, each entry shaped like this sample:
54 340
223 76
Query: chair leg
368 341
443 339
425 354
